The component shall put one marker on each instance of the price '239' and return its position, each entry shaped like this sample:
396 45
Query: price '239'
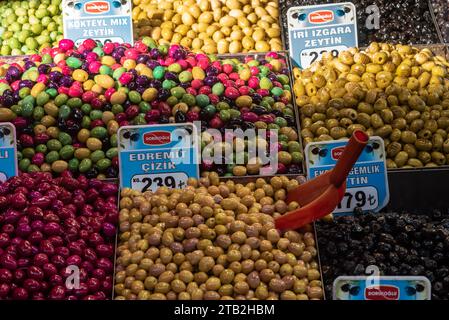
167 181
315 55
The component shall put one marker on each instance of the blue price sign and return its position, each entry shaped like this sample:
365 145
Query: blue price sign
314 30
153 156
367 183
8 151
102 20
381 288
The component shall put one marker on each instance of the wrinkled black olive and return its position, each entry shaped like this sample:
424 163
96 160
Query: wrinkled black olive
402 244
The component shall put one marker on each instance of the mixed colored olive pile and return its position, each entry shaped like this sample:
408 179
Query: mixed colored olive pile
398 92
217 26
214 240
399 244
67 103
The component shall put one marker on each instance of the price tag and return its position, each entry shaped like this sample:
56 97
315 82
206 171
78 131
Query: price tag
314 30
154 156
8 151
381 288
102 20
309 56
367 183
145 182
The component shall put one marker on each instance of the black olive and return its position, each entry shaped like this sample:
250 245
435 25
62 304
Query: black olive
221 170
259 110
164 119
180 117
356 231
248 125
92 173
111 172
77 115
277 113
72 127
106 142
290 120
62 124
358 211
107 107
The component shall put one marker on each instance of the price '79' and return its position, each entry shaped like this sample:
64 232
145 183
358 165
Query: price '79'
365 198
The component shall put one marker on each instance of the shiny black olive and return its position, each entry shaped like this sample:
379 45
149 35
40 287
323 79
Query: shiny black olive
92 173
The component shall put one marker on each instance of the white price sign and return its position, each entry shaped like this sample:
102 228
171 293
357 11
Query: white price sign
152 182
309 56
365 198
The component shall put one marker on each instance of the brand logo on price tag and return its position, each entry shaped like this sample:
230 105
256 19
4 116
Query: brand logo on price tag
367 183
104 21
321 16
382 293
96 7
314 30
386 288
153 156
157 138
8 151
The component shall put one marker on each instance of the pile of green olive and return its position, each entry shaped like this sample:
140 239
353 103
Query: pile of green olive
214 240
27 26
397 92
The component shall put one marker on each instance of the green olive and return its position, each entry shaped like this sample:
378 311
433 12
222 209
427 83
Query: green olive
401 158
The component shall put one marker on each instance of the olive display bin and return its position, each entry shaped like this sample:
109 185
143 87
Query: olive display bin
285 55
243 179
284 5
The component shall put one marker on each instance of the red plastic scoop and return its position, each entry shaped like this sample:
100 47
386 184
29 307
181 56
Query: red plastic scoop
320 196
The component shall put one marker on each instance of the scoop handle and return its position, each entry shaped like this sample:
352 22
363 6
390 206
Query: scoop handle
351 153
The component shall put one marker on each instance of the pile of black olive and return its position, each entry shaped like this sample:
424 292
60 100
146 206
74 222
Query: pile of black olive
401 21
399 244
441 10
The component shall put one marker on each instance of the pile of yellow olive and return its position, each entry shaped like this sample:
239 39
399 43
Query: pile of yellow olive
397 92
211 26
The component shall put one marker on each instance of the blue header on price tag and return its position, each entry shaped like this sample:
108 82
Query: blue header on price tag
103 20
367 183
8 151
381 288
153 156
313 30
